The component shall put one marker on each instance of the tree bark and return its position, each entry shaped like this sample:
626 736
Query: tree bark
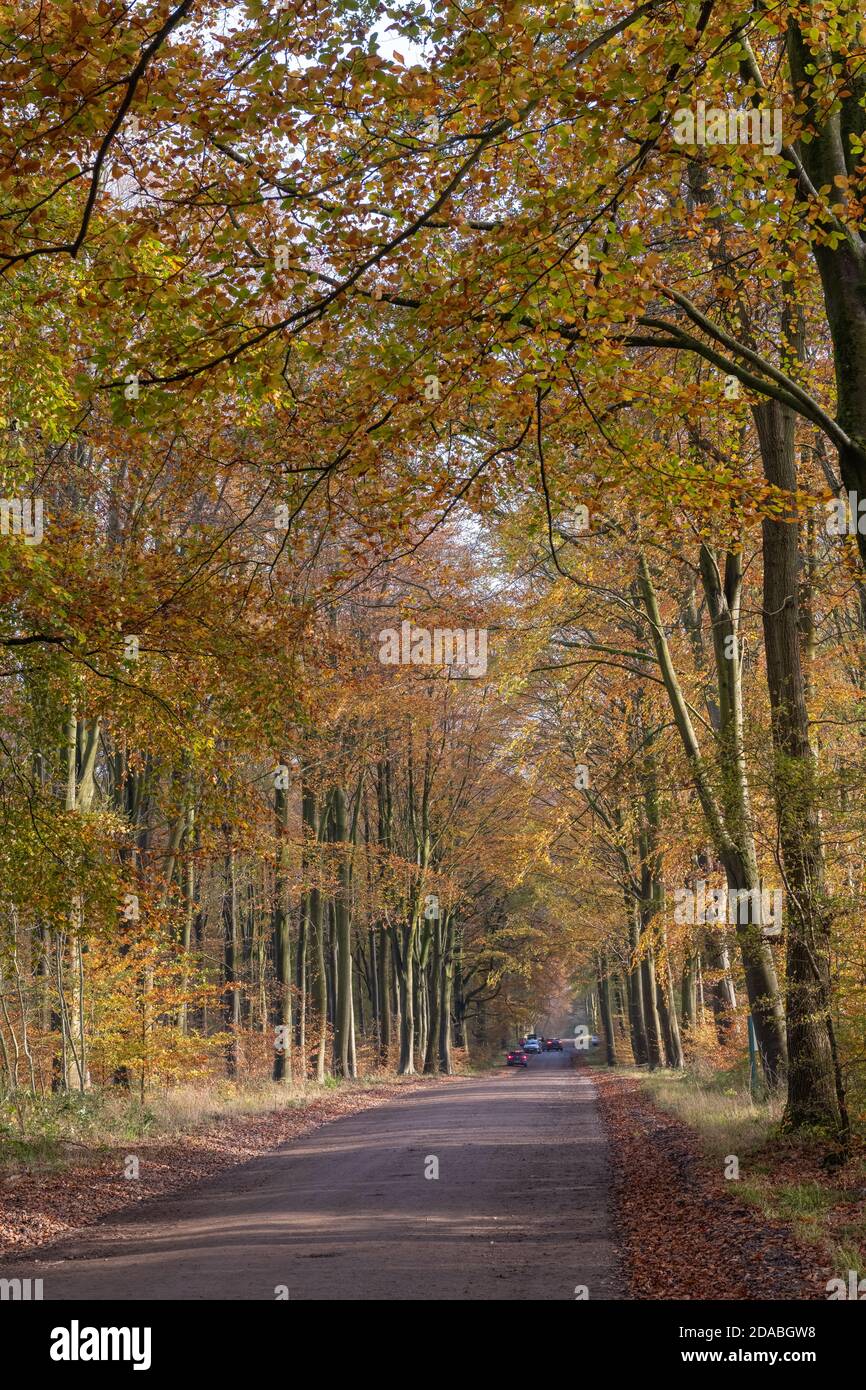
343 932
282 945
231 949
606 1015
815 1089
729 825
446 1061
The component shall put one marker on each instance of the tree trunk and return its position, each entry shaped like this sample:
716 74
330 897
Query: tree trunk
606 1014
689 995
446 1061
282 945
231 947
651 1014
729 824
830 159
673 1041
318 927
384 962
343 933
406 989
189 913
815 1089
722 998
434 1004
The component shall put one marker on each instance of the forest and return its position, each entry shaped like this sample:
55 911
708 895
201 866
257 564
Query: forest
433 554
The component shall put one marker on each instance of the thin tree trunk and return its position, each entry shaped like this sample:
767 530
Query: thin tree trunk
231 945
446 1061
606 1015
189 915
689 996
318 925
282 942
406 990
431 1051
343 934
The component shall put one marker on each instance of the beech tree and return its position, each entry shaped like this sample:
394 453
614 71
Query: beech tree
526 319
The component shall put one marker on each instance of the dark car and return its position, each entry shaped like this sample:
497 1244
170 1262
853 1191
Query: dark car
516 1058
552 1045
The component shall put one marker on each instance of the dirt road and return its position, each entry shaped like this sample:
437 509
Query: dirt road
518 1210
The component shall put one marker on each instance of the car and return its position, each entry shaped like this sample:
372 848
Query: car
516 1058
552 1045
532 1045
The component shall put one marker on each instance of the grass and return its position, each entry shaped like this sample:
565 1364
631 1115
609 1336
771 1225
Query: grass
780 1174
719 1107
46 1133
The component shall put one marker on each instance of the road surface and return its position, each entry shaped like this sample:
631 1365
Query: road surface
518 1211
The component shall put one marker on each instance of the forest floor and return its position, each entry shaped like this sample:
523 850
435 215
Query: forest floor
612 1179
65 1185
780 1231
